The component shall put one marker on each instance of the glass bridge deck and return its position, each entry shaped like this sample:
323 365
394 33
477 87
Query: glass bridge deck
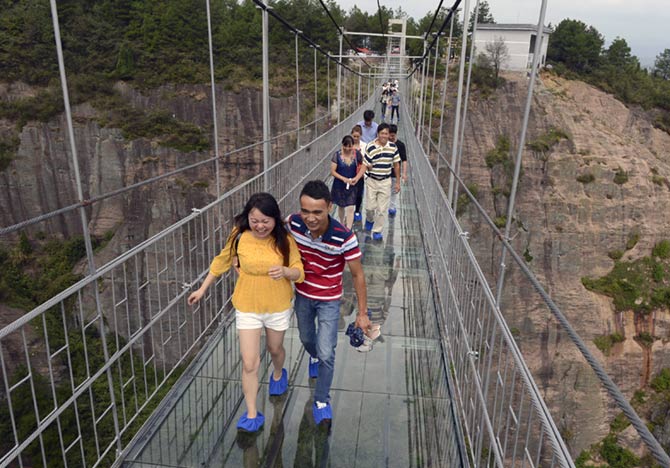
391 406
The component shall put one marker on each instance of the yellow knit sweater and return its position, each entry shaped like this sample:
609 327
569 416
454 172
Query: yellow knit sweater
255 291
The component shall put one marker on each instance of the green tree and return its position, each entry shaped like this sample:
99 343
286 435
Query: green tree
484 15
619 54
576 45
662 65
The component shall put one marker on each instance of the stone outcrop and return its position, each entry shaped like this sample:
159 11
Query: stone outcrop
41 178
568 228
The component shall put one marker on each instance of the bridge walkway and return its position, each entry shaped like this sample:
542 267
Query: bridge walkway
390 404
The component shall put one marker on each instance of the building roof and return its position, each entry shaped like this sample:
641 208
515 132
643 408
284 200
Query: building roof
511 27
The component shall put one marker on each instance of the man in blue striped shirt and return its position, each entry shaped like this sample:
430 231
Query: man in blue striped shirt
381 158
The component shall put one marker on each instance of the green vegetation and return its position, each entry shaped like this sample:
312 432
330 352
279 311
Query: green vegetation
615 455
500 222
661 383
662 250
615 254
51 264
641 286
545 142
134 123
500 154
586 178
464 199
8 147
645 339
527 256
633 239
577 51
605 342
620 177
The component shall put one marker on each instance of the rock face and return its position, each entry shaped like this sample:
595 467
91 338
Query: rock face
42 178
567 229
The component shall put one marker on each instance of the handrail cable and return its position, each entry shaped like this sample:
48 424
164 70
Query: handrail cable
379 15
119 191
438 34
339 29
297 31
649 440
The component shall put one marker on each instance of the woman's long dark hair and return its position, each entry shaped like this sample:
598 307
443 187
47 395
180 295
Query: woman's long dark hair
266 204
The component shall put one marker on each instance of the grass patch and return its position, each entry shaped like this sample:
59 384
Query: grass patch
586 178
160 125
640 285
9 145
633 239
620 177
464 199
662 250
605 342
661 383
500 154
615 455
527 256
619 423
500 222
545 142
646 339
615 254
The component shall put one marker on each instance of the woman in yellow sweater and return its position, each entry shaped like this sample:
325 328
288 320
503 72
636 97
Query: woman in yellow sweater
269 261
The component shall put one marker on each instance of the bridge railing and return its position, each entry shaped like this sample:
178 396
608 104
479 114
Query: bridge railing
81 372
504 419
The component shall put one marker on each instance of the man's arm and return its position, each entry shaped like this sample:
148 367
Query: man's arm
396 171
362 319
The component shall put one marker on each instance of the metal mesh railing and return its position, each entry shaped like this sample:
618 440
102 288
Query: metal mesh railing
505 421
81 372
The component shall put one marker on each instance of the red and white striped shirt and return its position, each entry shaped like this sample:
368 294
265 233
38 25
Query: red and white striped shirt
323 258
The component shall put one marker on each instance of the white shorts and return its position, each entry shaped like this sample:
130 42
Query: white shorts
278 321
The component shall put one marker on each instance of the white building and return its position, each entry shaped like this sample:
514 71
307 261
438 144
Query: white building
520 42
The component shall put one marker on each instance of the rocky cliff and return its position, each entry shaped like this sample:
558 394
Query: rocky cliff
41 177
600 186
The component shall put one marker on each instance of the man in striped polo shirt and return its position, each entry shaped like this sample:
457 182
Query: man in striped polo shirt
325 246
381 157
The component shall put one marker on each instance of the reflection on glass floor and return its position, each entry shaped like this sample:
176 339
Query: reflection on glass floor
391 405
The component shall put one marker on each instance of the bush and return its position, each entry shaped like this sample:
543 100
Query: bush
661 382
500 154
633 239
615 455
662 250
8 147
605 342
620 177
586 178
547 141
615 254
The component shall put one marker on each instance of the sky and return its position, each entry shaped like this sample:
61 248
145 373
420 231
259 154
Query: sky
644 24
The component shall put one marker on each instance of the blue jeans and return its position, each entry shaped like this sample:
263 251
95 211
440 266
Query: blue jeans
319 343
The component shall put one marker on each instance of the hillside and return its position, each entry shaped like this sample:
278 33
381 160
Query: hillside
591 196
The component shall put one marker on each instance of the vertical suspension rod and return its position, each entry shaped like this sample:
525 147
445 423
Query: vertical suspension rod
266 101
444 97
457 118
214 116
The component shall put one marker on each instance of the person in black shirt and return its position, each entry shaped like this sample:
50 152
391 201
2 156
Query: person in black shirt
402 150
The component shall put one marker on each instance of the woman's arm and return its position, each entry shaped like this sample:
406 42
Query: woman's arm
197 295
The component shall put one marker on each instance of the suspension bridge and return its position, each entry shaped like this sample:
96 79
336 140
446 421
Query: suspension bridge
158 383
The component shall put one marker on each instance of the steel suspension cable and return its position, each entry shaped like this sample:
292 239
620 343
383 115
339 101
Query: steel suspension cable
341 31
649 440
453 8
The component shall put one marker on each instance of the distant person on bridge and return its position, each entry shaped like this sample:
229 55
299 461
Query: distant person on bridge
368 126
381 158
402 152
325 246
356 132
269 261
395 106
347 169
